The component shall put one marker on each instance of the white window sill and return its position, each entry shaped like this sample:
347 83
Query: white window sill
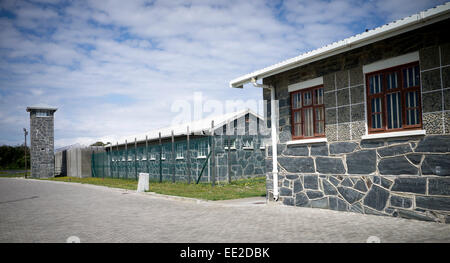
307 141
232 148
247 148
393 134
262 148
179 158
201 157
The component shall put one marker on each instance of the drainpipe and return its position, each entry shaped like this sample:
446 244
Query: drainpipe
273 119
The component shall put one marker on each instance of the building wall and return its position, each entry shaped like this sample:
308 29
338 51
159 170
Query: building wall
42 146
403 176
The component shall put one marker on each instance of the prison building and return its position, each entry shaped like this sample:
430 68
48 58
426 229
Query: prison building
364 123
233 148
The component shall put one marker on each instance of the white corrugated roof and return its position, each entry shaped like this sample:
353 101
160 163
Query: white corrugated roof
421 19
198 127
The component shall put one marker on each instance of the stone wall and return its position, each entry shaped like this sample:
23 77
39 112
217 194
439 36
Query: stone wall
404 176
42 146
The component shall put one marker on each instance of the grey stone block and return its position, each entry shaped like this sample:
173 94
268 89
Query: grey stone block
400 201
394 150
432 101
362 162
288 201
311 182
298 187
431 80
349 194
296 151
297 165
342 79
371 143
330 116
328 188
361 186
356 208
347 182
334 181
413 215
396 166
301 200
326 165
356 76
433 203
436 164
343 97
357 112
314 194
386 183
357 94
284 191
342 147
434 143
344 114
410 185
319 150
439 186
320 203
429 57
414 158
376 198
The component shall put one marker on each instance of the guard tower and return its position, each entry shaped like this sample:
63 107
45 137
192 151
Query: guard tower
42 141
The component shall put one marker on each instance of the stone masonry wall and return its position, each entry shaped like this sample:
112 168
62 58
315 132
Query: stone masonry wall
42 146
398 177
405 176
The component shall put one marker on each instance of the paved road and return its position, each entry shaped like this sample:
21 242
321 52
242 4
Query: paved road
41 211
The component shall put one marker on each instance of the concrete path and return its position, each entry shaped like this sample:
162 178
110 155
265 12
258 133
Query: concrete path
45 211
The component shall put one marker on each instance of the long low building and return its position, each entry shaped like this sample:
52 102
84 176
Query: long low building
233 148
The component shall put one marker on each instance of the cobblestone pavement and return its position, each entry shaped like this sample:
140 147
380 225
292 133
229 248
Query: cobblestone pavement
43 211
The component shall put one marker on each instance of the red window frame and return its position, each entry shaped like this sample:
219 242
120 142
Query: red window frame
314 105
384 95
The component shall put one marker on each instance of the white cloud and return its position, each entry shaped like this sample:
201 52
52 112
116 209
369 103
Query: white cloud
75 55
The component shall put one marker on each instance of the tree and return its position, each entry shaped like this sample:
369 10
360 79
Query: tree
98 144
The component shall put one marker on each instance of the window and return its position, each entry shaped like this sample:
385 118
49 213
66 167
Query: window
202 149
42 114
308 114
393 99
230 143
152 156
247 143
180 151
163 153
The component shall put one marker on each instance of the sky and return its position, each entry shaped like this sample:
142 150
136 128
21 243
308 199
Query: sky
118 68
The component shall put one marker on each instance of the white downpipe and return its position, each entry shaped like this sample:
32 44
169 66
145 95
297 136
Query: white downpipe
273 124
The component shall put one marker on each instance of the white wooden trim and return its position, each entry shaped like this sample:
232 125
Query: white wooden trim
306 141
393 134
391 62
305 84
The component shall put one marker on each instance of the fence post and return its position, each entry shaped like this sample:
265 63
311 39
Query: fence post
160 158
126 159
146 155
213 155
110 160
173 159
228 158
135 158
188 156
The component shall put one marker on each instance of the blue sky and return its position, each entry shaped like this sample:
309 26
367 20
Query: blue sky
115 68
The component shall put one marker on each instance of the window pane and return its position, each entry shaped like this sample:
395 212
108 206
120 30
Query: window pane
376 121
319 114
411 76
376 105
320 127
392 81
394 110
375 84
307 99
298 117
318 93
412 101
309 122
298 130
297 100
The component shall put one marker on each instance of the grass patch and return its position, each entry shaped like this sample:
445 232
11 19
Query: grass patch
13 173
237 189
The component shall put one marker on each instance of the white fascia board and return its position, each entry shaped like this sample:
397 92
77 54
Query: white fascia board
306 84
391 62
421 19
